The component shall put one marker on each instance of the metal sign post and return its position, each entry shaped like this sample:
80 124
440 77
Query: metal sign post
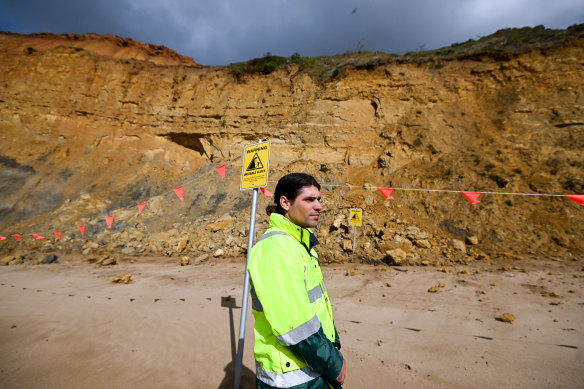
354 237
254 174
243 317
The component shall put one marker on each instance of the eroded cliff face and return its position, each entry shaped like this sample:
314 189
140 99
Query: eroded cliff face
84 135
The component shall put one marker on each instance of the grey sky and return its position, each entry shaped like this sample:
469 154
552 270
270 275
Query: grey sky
218 32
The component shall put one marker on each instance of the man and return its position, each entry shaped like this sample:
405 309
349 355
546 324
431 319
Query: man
296 343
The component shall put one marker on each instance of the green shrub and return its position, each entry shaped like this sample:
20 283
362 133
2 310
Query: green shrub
296 58
476 159
432 149
264 65
272 64
338 73
307 63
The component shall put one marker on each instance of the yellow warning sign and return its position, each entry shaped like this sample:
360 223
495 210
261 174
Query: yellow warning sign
256 159
355 217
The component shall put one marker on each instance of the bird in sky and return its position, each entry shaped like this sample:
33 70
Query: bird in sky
354 11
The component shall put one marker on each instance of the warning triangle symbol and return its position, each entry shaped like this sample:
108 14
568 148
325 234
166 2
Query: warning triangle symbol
356 216
256 163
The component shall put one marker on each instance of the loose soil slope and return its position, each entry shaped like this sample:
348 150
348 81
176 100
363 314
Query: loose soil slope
87 133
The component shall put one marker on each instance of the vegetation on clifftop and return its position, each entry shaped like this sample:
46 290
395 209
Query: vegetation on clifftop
502 45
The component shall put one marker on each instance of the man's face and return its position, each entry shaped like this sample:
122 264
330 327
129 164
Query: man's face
305 210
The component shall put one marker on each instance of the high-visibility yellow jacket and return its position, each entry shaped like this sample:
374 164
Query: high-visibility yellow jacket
295 338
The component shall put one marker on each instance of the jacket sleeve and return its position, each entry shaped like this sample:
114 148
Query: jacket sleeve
278 275
320 354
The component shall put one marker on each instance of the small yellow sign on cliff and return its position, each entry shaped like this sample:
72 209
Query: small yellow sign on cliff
256 159
355 217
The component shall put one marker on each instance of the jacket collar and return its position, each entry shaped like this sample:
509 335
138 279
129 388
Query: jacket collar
305 236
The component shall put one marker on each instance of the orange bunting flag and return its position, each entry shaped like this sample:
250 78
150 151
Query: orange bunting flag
81 229
3 238
472 197
576 198
179 192
141 207
109 220
58 233
37 236
221 170
386 192
17 237
266 192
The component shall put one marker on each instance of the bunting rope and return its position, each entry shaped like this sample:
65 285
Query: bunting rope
178 191
445 190
471 196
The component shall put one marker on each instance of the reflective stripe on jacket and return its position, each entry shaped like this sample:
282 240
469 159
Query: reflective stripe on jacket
294 329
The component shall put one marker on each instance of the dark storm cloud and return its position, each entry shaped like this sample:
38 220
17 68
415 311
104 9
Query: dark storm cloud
224 31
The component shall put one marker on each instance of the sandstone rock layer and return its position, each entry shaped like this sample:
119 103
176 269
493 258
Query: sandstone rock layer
86 133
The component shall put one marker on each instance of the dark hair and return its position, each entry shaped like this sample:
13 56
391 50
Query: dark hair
290 186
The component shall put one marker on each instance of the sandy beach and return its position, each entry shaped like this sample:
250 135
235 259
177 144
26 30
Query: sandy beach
66 325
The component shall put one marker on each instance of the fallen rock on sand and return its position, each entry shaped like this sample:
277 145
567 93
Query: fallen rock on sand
436 288
106 261
51 258
507 318
124 278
